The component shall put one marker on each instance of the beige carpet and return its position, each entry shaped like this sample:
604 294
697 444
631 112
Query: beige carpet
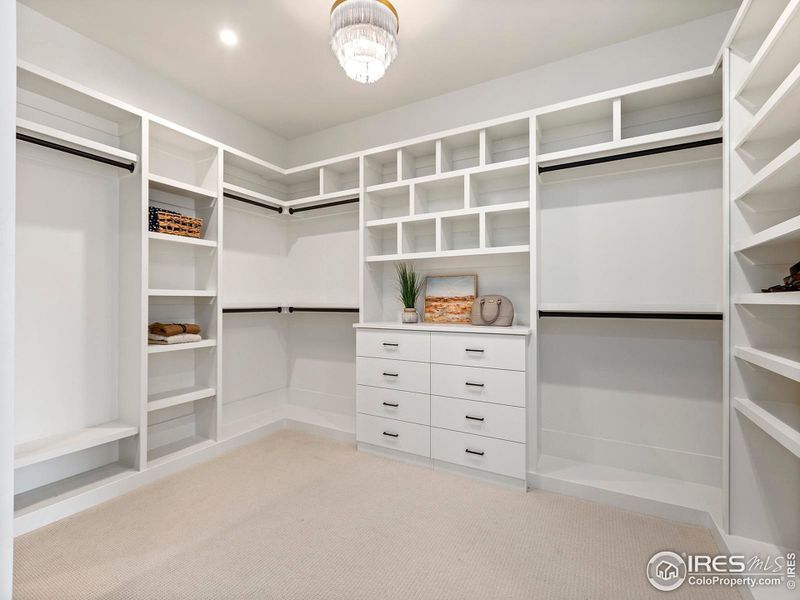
299 517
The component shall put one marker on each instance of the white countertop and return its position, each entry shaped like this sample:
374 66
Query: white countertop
444 327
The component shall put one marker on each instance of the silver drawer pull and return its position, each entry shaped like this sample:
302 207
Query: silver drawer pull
394 435
392 404
476 452
390 344
474 350
471 418
473 384
390 374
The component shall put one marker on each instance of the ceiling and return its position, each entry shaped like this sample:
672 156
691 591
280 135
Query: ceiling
284 76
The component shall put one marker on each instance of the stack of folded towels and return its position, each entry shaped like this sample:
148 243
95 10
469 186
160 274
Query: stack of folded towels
174 333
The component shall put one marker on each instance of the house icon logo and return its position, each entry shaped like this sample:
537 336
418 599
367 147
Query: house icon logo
666 571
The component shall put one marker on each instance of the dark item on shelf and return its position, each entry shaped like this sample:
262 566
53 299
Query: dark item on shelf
170 329
791 283
173 223
494 310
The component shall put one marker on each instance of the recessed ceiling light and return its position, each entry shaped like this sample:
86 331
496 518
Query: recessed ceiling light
228 37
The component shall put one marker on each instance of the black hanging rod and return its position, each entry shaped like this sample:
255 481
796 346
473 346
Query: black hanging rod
326 205
74 151
293 309
677 316
277 209
626 155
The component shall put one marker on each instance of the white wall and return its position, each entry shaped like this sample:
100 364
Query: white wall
57 48
8 87
688 46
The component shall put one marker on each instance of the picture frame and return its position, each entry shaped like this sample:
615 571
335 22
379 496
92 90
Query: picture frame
449 298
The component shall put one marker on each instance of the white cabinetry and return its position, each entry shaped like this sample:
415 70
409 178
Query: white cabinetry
445 398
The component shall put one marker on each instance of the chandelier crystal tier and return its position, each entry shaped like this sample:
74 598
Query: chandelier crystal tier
364 37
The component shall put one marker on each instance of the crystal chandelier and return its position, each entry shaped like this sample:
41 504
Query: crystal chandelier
364 37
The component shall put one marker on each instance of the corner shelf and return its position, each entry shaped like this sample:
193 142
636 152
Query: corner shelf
161 348
181 396
250 194
180 239
779 420
75 141
173 186
36 451
784 362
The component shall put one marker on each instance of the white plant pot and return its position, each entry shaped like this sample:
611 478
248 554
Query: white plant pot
410 315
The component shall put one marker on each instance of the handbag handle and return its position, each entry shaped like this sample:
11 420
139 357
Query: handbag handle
496 315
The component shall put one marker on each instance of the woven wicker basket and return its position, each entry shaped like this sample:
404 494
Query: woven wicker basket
177 224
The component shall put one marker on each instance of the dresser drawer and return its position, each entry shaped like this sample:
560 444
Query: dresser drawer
387 343
398 435
479 350
394 404
478 452
482 418
486 385
393 374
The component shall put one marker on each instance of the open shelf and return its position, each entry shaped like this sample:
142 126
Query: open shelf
181 396
70 487
632 144
160 348
774 127
644 309
176 450
36 451
182 293
180 239
704 498
779 420
776 57
780 174
785 362
773 299
74 141
451 253
238 190
782 233
174 186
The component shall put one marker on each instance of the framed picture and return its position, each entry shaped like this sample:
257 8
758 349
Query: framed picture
449 298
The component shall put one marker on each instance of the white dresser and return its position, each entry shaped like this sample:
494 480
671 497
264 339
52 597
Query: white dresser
447 396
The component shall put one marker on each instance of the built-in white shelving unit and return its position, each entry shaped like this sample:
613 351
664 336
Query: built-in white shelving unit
570 210
763 70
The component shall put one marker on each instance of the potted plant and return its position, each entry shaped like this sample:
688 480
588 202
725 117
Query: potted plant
410 285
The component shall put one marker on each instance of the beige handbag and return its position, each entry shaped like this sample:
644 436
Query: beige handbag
492 310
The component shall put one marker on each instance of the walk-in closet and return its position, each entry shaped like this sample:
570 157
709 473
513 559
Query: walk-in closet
287 328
